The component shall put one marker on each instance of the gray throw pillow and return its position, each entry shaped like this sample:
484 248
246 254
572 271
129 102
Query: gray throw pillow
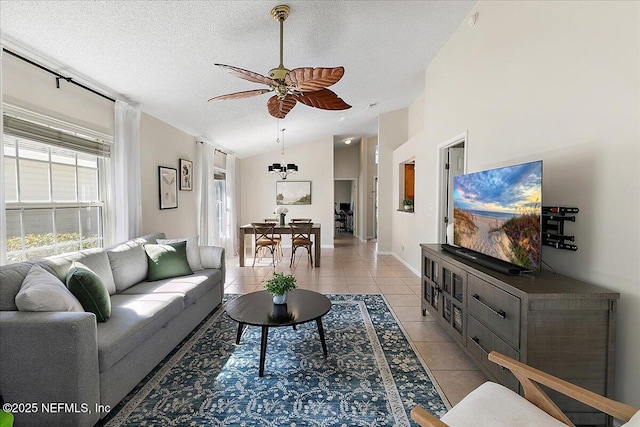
42 291
165 261
128 264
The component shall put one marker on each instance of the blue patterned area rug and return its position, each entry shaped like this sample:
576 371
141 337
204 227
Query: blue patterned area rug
372 376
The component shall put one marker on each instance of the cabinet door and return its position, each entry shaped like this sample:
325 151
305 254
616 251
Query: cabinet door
453 291
431 291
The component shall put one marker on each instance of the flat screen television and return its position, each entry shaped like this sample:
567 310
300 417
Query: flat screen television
498 213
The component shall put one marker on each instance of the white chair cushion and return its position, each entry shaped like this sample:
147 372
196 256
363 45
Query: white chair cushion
633 422
492 405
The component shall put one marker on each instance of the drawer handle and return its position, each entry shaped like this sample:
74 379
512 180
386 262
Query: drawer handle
499 313
477 341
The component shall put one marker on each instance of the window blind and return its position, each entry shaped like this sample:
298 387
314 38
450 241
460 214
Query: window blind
56 137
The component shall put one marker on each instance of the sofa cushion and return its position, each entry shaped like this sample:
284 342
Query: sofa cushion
11 278
85 285
134 318
192 287
165 261
128 264
494 405
193 251
96 259
149 238
42 291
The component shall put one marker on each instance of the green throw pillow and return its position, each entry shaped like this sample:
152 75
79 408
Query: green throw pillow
168 260
89 289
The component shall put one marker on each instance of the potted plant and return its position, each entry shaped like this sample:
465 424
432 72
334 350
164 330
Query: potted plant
279 285
407 204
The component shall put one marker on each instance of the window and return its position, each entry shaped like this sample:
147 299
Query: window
221 206
54 190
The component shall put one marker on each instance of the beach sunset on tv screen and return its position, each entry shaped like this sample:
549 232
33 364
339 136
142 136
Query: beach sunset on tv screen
498 212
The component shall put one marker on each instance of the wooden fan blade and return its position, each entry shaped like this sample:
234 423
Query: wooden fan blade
324 99
279 108
248 75
239 95
309 79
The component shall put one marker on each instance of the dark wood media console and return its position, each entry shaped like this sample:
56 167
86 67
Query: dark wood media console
560 325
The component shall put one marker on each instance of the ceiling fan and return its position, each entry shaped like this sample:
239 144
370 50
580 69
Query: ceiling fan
307 84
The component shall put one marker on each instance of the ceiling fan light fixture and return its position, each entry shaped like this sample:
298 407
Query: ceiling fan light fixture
282 169
307 85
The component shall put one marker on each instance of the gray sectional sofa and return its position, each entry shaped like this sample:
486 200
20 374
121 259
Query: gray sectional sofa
69 358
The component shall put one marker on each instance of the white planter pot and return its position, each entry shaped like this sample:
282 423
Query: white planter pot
280 299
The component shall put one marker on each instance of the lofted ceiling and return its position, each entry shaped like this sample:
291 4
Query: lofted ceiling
158 56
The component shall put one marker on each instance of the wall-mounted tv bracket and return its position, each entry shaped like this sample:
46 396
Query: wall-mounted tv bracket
553 220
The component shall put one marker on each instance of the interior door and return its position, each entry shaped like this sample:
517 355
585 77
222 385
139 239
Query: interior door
455 162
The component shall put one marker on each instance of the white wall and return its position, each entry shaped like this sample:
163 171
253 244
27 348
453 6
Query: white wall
342 191
160 144
29 87
258 187
164 145
416 116
346 161
557 81
392 132
408 228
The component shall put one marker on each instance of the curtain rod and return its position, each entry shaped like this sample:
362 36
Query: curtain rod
58 76
215 149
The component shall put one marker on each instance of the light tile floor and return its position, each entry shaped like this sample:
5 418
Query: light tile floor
355 267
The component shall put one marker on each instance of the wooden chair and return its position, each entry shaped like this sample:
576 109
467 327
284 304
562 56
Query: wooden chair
277 237
494 405
301 238
264 239
301 220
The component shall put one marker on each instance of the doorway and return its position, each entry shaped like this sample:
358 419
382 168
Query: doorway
453 162
345 196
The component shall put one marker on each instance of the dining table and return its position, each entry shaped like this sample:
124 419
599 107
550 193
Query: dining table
243 230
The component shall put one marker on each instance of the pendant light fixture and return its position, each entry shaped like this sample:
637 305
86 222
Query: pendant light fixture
282 169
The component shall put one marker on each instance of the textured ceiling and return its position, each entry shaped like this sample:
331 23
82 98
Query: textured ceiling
159 56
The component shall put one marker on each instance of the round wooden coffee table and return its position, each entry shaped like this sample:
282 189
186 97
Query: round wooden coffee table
258 309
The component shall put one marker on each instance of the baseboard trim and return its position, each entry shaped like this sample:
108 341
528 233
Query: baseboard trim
405 263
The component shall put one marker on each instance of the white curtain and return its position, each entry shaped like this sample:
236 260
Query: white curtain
232 211
125 168
207 220
3 212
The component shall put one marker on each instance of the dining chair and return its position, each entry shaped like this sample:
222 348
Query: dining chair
277 237
301 238
263 234
301 220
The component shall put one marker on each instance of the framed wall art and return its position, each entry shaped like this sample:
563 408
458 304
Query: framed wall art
168 187
186 175
293 192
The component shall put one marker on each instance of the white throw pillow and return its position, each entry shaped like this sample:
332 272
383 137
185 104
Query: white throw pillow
193 251
42 291
634 421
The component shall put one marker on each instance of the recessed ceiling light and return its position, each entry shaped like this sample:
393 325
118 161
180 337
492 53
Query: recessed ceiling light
347 141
